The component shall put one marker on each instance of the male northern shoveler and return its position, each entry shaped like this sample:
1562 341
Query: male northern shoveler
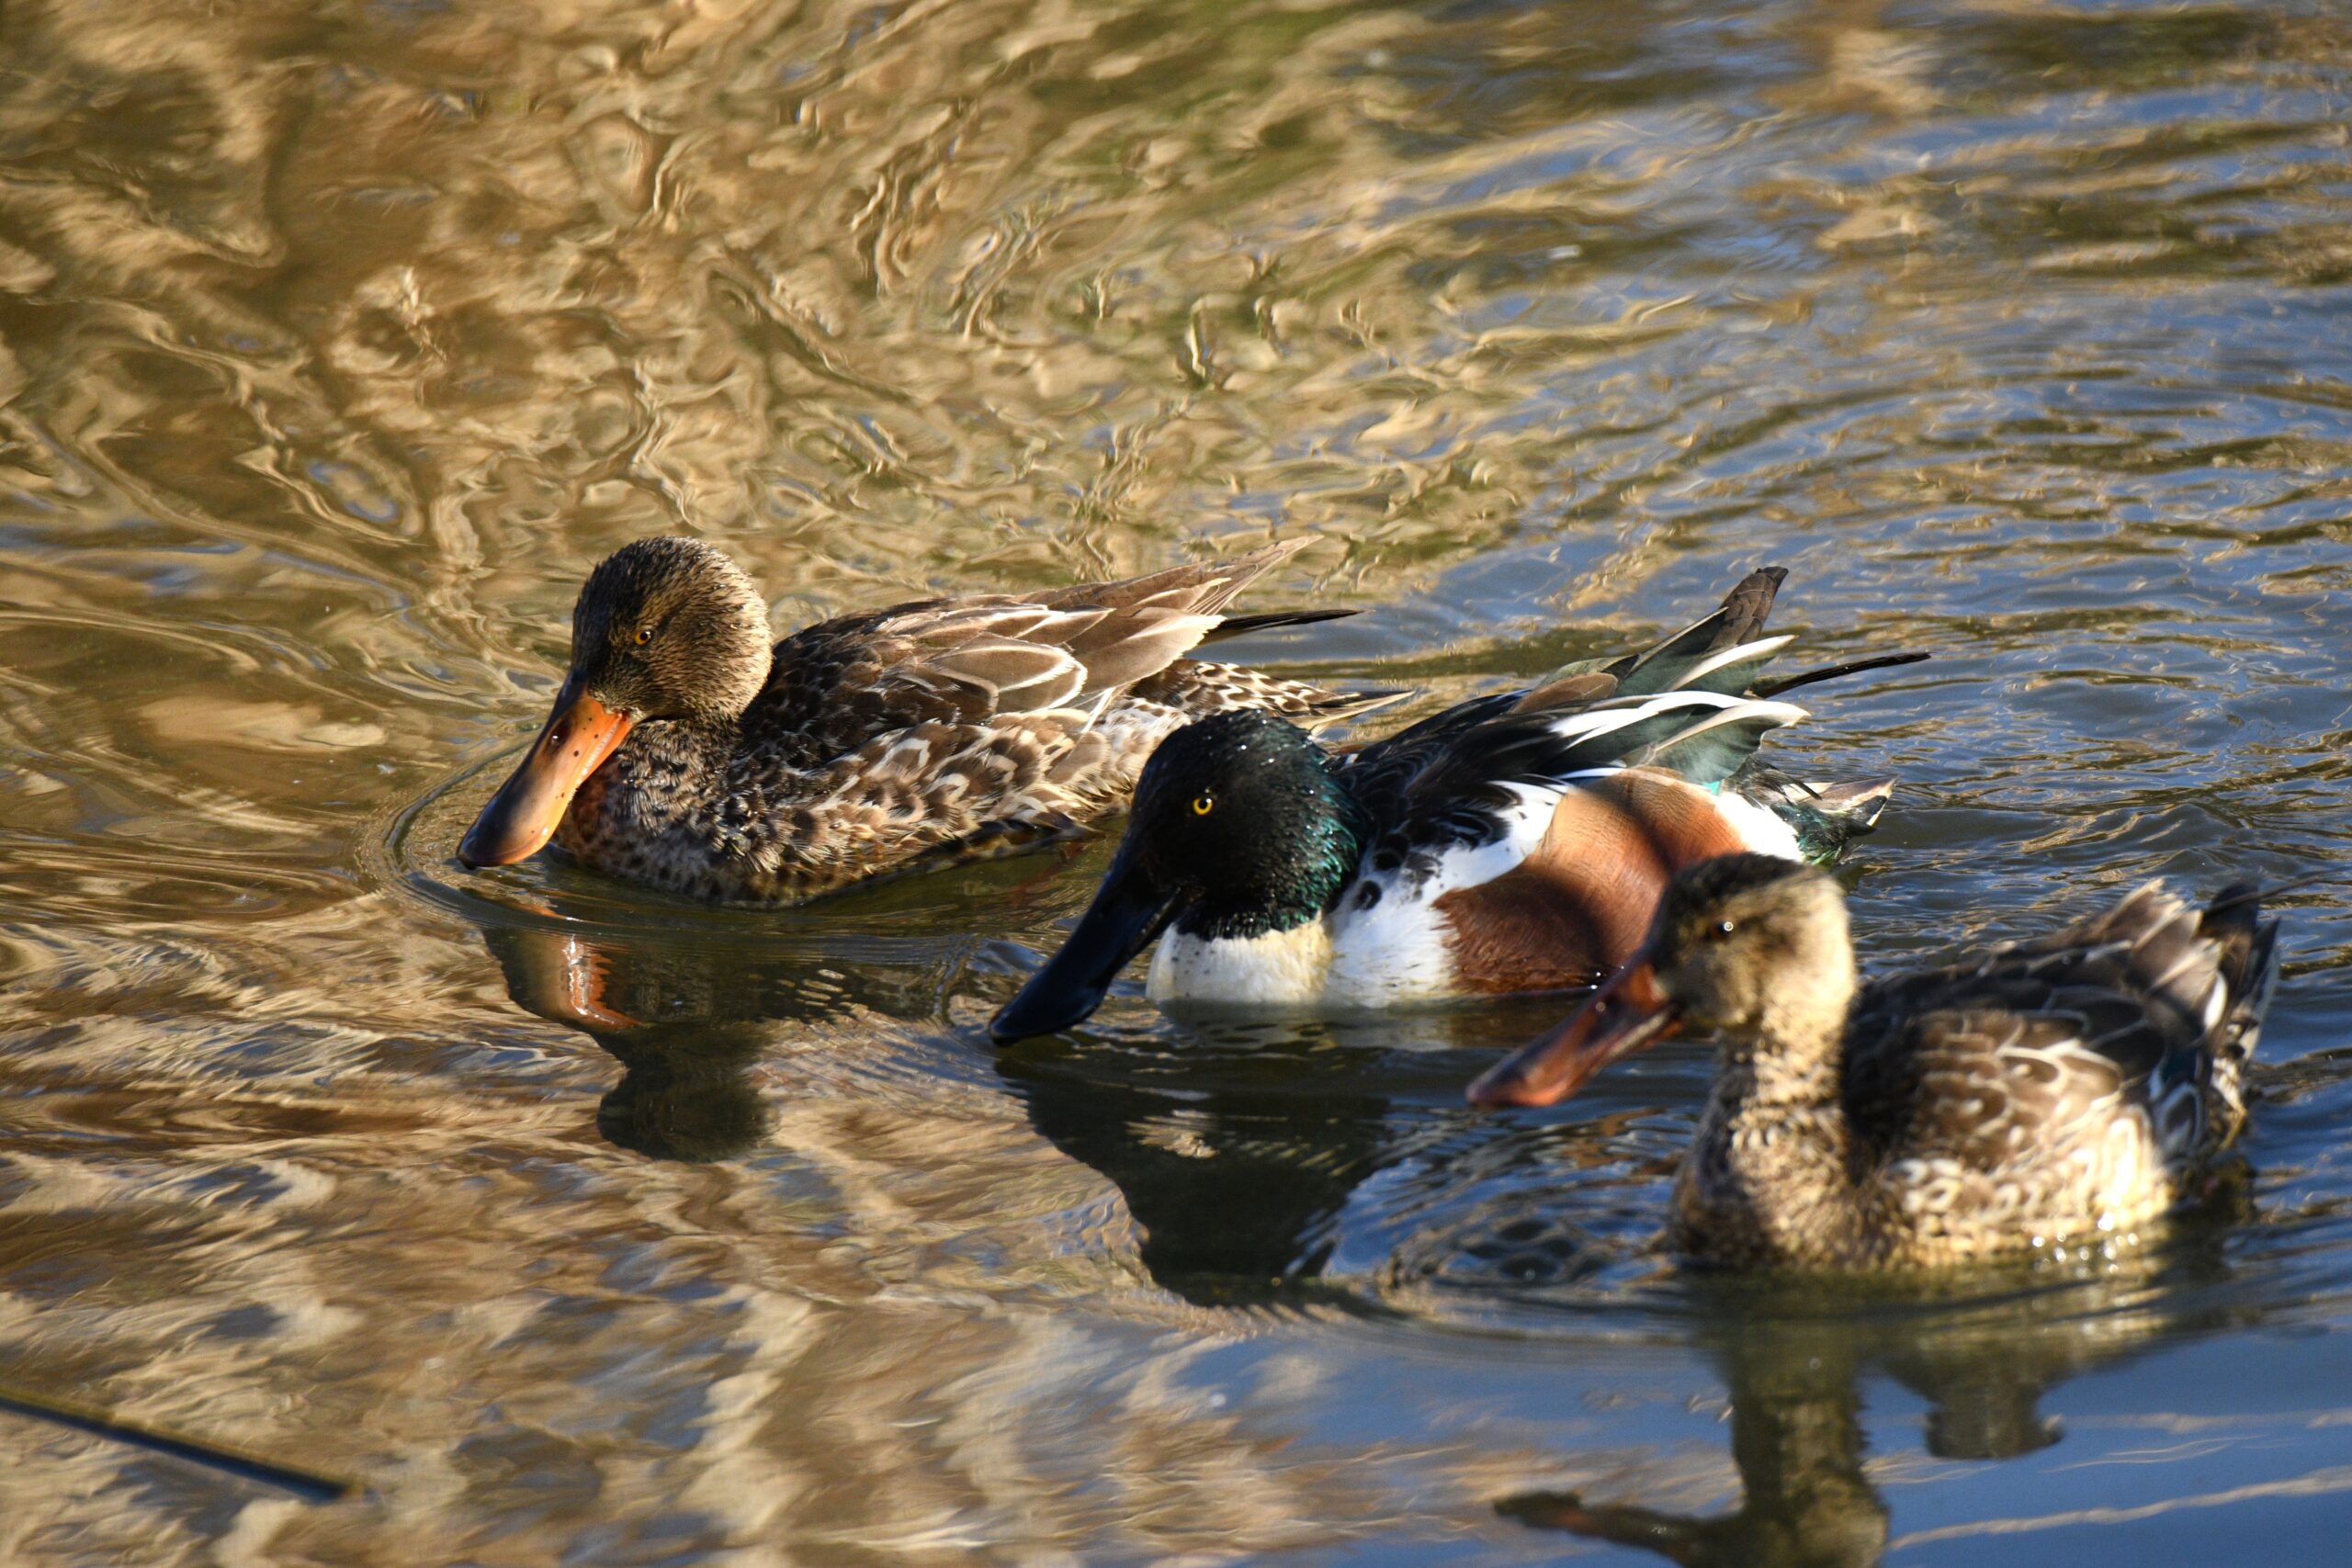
685 752
2058 1088
1516 843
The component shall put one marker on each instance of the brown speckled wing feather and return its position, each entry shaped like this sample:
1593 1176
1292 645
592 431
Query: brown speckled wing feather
1202 590
2007 1059
1995 1085
838 684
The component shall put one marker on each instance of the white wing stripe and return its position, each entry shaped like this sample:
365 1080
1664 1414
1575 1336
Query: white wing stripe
1592 723
1761 649
1739 712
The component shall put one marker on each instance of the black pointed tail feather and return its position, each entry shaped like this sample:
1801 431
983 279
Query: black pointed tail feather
1338 708
2247 891
1834 671
1237 625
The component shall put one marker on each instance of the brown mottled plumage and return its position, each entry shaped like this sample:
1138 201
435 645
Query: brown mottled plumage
2060 1087
686 754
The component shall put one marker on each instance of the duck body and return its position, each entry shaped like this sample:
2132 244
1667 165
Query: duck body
2063 1088
688 754
1549 904
2066 1088
1514 842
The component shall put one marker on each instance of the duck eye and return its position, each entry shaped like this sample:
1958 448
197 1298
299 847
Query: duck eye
1721 930
1203 804
644 636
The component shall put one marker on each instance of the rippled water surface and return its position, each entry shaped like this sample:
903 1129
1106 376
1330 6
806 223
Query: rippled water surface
337 341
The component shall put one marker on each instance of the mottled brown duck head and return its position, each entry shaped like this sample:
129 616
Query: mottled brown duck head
664 629
1751 948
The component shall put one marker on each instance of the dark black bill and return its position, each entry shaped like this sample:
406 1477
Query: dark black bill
1129 912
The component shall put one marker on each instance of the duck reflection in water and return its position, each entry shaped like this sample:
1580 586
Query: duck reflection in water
1235 1148
1235 1151
690 1016
1793 1364
685 1092
1796 1437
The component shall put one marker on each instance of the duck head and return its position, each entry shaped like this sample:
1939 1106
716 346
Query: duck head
1238 828
1751 948
664 629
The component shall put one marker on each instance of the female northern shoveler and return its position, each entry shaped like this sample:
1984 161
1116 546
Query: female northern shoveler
685 752
2057 1088
1516 843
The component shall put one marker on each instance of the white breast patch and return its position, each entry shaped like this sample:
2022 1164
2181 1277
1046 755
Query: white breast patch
1290 967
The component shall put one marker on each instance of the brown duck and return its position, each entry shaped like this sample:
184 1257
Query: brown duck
685 752
2063 1088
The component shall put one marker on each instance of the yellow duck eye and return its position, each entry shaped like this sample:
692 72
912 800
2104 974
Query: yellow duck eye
1203 804
644 636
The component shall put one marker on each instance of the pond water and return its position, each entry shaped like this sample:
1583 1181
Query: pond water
337 341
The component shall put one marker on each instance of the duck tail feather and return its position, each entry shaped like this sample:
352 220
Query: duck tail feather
1242 625
2246 891
1835 672
1739 619
1336 707
1717 746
